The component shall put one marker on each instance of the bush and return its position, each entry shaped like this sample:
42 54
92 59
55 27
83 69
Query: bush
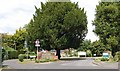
104 59
21 57
37 61
26 56
98 59
111 59
89 53
12 54
32 53
21 51
42 60
3 53
117 56
45 60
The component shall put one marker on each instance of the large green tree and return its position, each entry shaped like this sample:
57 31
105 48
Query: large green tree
7 40
19 38
85 45
98 48
59 25
15 41
107 24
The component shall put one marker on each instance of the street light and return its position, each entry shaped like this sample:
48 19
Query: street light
25 45
15 44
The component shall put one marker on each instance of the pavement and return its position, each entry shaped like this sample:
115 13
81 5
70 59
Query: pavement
62 64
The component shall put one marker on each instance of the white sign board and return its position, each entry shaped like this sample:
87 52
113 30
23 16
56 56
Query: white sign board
37 43
105 54
81 53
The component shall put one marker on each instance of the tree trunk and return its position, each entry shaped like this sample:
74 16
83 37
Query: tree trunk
58 53
114 50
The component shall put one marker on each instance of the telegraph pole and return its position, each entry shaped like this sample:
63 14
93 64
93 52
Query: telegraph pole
0 50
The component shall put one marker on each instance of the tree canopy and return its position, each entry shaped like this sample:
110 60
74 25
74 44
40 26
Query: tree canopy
107 24
19 38
59 25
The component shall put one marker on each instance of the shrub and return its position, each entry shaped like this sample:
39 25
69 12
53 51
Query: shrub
88 53
98 59
104 59
37 61
111 59
117 56
12 54
21 51
3 53
42 60
45 60
54 60
26 56
32 53
21 57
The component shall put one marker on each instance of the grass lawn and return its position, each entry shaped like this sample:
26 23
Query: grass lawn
27 61
98 60
5 67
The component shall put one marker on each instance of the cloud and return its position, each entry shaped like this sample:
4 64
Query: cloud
17 13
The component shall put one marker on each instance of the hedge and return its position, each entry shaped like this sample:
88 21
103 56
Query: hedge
12 54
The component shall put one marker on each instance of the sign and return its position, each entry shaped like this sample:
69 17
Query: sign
94 54
37 43
81 53
106 55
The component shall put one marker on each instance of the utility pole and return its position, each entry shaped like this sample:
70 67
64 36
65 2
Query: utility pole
0 50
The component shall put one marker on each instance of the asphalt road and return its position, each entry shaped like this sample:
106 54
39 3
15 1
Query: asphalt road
68 64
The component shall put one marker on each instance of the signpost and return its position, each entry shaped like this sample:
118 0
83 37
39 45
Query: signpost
0 50
37 44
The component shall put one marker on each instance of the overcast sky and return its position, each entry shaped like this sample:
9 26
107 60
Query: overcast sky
16 13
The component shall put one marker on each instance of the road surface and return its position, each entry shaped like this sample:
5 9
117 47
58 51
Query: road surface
68 64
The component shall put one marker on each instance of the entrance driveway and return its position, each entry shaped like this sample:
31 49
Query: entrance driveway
63 64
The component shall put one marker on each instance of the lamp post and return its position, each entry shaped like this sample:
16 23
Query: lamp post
25 45
15 44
